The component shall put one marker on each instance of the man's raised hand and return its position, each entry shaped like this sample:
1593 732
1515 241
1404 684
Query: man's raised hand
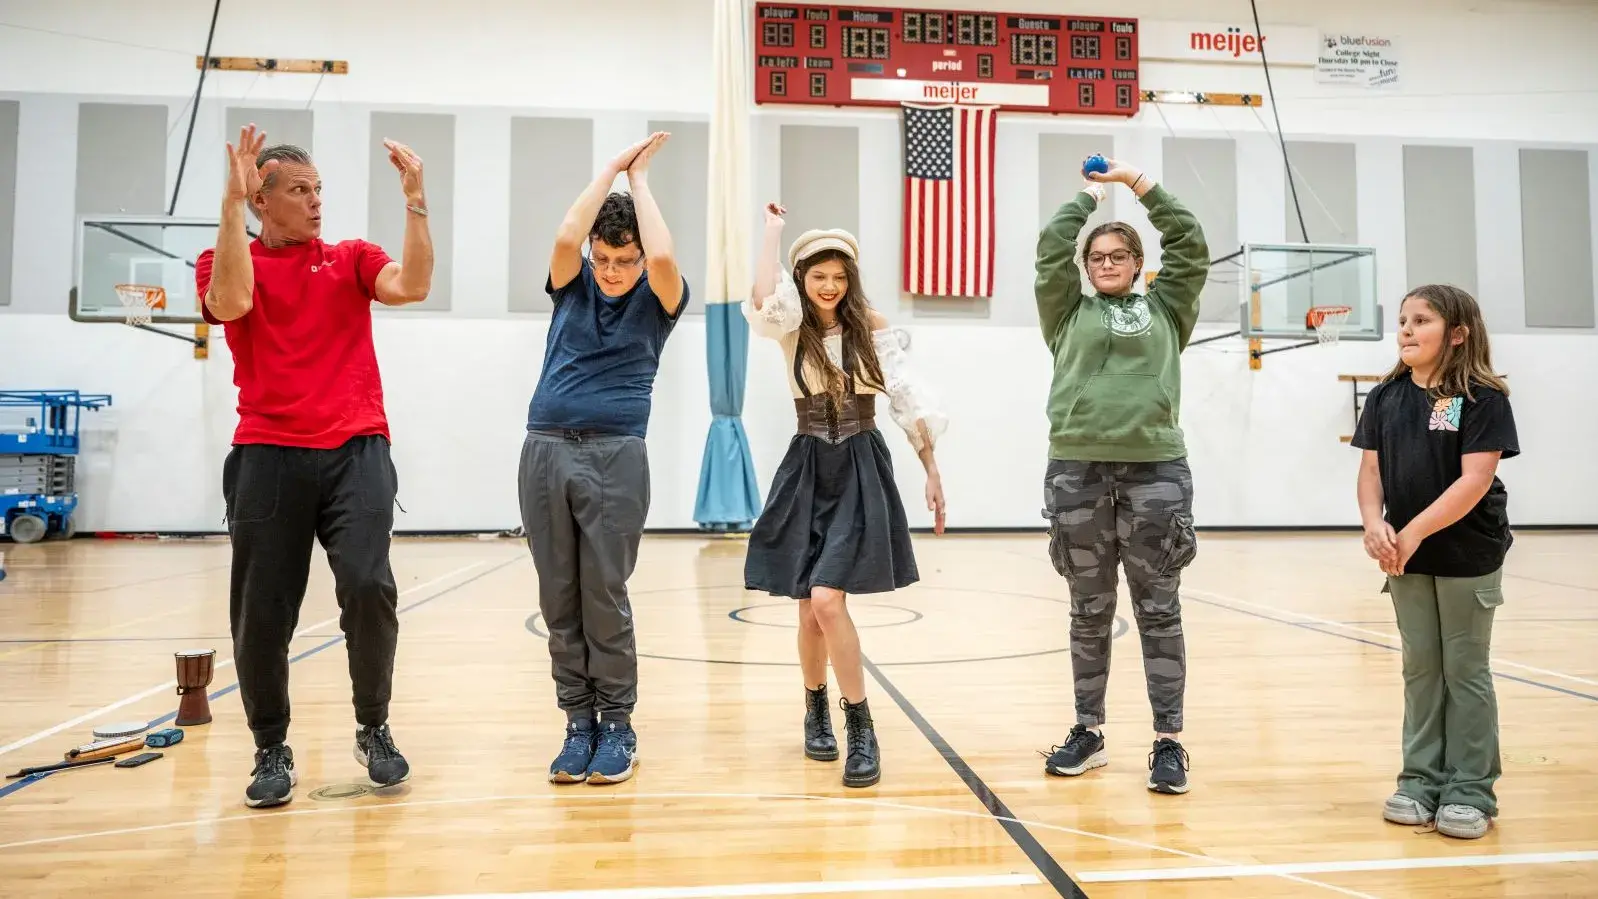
244 179
409 166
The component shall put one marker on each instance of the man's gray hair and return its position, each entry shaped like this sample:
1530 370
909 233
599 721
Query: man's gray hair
281 153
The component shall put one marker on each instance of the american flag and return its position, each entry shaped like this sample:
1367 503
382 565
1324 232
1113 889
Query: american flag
948 200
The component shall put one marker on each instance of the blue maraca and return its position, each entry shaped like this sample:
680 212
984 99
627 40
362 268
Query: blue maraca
1095 163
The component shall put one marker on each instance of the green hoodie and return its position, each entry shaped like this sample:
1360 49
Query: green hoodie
1117 388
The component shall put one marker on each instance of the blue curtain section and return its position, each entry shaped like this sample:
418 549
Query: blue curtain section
729 498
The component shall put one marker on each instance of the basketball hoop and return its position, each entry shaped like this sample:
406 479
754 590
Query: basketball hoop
1327 321
139 301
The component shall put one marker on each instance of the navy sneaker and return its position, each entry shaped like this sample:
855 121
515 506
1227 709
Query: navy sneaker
616 755
571 766
376 752
274 777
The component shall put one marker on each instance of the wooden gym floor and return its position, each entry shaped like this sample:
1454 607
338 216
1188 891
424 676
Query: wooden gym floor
1293 710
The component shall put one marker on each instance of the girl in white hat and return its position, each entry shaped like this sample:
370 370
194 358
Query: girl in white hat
833 522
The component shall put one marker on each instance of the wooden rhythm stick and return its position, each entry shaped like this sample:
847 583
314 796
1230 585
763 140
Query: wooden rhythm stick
105 748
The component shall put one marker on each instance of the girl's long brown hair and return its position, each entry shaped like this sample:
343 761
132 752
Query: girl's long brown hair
1459 366
854 313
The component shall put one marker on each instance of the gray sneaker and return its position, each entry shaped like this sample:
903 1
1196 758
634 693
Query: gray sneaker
1401 809
1463 822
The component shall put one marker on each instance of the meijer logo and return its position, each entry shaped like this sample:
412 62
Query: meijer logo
1233 42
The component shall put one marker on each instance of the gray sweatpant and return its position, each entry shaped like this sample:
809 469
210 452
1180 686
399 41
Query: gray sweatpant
584 498
1140 515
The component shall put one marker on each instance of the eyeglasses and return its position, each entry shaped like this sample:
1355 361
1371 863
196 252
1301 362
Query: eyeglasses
1119 257
614 265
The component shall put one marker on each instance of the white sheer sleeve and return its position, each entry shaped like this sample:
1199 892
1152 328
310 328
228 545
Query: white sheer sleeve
779 313
910 397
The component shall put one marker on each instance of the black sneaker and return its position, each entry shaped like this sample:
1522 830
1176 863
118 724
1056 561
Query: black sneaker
375 750
274 777
1083 751
571 766
1168 767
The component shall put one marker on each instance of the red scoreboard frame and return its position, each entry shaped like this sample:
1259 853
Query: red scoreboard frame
877 56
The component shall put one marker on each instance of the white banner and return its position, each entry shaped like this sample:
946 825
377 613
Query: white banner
1360 59
970 92
1237 44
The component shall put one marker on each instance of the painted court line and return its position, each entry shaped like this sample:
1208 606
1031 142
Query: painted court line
798 888
1029 845
676 797
1227 872
172 684
1390 637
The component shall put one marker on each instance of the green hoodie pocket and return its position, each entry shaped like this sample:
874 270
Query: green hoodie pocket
1121 409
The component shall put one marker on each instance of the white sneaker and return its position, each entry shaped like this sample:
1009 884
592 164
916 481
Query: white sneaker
1401 809
1463 822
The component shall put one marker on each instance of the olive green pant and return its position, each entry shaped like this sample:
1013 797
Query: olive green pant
1450 709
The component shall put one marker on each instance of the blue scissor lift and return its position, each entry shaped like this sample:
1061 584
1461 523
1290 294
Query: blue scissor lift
38 481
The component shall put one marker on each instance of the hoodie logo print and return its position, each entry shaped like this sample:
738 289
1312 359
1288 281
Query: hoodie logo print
1131 318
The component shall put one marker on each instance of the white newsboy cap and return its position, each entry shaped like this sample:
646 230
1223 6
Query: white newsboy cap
815 240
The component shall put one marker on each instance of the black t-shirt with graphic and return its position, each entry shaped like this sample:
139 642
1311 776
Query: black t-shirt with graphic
1419 443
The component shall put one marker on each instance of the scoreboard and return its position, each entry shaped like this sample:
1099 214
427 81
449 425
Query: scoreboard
877 56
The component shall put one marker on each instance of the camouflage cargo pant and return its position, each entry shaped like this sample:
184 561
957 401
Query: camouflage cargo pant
1103 515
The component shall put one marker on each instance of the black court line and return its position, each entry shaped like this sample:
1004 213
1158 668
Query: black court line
1045 863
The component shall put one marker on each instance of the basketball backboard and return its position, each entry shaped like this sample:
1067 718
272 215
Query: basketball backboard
1281 283
137 253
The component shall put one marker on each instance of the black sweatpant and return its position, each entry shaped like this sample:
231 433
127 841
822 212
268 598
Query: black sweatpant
584 498
278 500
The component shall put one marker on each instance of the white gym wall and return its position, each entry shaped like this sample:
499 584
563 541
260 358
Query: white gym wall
1494 77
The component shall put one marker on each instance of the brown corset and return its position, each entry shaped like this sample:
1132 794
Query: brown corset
820 417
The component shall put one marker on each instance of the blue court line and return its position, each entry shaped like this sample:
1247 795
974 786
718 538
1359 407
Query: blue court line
1320 630
10 788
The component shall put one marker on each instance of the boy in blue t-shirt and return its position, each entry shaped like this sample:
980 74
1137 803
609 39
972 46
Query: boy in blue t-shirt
584 474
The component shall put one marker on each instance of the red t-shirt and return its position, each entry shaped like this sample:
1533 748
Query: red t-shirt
303 357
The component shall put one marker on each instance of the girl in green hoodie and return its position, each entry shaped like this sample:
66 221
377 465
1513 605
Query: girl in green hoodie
1118 491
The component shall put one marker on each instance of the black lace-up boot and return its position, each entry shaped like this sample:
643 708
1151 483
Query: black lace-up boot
863 767
820 744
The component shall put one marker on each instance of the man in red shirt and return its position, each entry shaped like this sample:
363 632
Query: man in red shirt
310 458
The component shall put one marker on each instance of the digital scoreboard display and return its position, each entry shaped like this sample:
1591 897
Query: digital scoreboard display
877 56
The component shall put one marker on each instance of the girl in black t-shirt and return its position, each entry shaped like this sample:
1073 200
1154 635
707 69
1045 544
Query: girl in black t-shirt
1433 432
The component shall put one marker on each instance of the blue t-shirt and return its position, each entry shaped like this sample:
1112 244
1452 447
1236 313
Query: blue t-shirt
600 357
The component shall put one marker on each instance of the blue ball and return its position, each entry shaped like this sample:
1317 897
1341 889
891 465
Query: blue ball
1095 163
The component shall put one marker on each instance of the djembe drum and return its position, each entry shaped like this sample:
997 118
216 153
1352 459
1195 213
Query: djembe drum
195 669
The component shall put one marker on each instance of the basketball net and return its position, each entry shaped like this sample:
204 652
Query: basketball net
139 302
1327 321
